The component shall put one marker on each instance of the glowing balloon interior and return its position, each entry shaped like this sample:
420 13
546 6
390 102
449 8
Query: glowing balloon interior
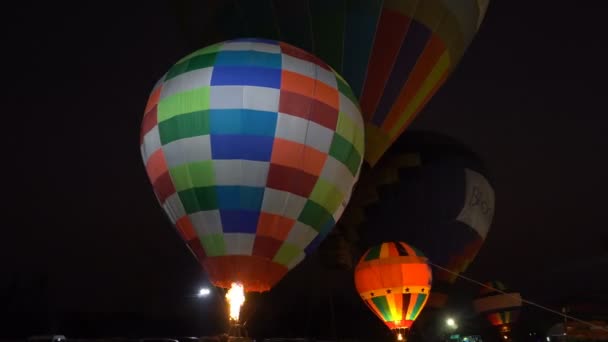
252 148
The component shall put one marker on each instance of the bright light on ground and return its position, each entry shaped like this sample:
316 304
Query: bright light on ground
204 292
235 297
450 322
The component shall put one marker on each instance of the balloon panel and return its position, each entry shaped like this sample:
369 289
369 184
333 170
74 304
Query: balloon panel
252 147
394 280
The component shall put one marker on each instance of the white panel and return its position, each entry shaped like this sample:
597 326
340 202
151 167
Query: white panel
319 137
239 243
338 174
247 46
241 172
499 301
260 98
478 210
174 208
291 128
207 222
348 107
282 203
301 235
151 143
298 66
226 97
327 77
187 81
298 259
187 150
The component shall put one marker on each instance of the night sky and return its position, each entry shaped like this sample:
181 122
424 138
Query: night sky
528 97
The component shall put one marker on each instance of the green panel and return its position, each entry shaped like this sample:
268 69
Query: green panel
200 61
349 129
374 253
185 102
206 50
197 199
193 175
213 244
327 24
344 88
184 126
286 253
345 152
314 215
382 305
327 195
418 306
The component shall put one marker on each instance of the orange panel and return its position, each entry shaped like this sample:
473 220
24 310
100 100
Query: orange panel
297 83
185 227
274 226
153 99
156 165
298 156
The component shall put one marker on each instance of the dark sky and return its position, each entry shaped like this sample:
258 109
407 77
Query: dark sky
528 97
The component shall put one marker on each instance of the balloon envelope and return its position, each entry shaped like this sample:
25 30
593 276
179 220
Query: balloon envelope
395 53
252 148
394 280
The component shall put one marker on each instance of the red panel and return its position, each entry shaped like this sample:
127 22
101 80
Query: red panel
301 54
149 121
391 31
290 180
266 247
309 109
197 249
163 187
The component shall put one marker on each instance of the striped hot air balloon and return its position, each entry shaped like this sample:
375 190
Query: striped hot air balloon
394 281
394 53
252 148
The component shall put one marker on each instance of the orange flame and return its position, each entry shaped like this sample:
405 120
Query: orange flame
236 298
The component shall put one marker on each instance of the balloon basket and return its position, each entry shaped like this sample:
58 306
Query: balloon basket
238 333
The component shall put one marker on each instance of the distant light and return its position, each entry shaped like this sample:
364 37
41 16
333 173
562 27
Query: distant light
450 322
548 339
504 336
204 292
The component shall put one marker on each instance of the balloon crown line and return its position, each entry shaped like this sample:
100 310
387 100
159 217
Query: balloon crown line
595 326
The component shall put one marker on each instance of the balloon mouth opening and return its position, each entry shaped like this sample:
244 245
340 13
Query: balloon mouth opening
254 273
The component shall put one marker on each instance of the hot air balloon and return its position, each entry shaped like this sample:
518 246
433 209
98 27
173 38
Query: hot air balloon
394 281
394 53
501 308
252 148
431 191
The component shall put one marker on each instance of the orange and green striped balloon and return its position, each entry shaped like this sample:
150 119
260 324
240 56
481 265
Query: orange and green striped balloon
394 280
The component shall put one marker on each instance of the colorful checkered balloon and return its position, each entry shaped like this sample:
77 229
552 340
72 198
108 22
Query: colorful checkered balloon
252 148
